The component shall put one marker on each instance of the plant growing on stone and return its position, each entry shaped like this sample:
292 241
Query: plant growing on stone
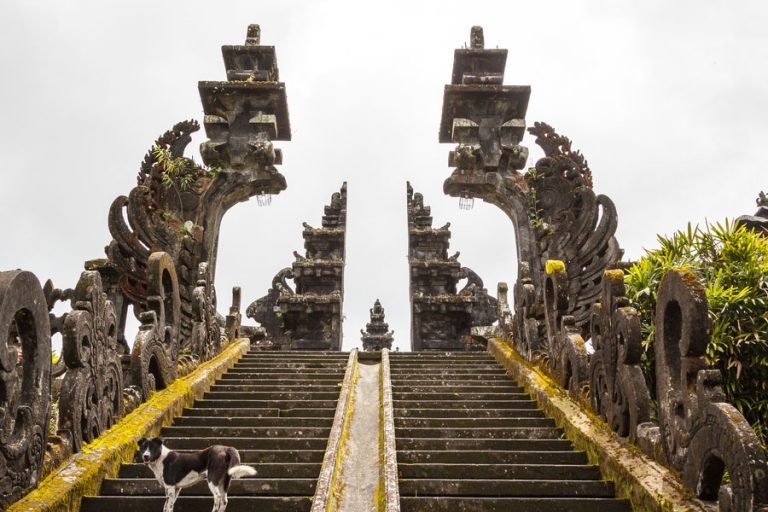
733 264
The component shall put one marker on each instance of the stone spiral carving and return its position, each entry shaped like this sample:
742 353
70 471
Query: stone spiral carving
205 340
91 393
702 435
156 347
618 391
25 383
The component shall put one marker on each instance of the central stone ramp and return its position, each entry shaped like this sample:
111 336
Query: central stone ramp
469 439
276 408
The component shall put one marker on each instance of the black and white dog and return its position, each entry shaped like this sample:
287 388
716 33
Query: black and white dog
175 470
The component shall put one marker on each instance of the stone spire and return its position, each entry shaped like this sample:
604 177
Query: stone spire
377 335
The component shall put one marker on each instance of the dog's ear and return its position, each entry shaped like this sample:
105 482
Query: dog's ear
141 441
160 439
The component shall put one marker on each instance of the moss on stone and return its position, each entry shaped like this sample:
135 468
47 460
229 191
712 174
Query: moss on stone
82 475
554 266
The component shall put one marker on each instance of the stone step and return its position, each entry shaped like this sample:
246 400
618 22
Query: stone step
472 387
441 370
250 421
253 486
295 366
563 456
272 395
266 404
422 443
197 504
462 395
264 470
474 504
481 433
462 404
469 413
507 488
284 371
298 412
265 388
293 380
402 422
497 471
419 379
214 433
473 365
248 443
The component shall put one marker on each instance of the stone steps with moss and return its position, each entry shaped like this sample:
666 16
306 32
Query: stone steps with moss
276 409
470 439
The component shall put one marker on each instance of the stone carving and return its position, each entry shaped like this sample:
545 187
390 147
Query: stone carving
618 391
310 317
156 347
759 221
554 211
25 383
91 394
441 316
205 341
232 322
377 335
701 434
177 205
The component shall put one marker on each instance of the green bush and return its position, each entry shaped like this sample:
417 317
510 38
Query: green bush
733 264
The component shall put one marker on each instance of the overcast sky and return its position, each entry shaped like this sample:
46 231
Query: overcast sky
667 100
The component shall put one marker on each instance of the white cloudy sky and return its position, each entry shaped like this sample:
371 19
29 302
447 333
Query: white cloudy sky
667 100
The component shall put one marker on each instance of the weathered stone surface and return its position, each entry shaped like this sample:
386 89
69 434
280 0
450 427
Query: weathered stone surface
759 221
441 315
309 317
25 383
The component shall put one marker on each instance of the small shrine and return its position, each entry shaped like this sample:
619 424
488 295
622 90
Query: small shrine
377 335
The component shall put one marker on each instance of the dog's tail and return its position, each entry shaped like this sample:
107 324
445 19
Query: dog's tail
237 470
241 471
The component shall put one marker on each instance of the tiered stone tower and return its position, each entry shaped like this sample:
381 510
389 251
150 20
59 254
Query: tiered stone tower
377 335
440 316
310 317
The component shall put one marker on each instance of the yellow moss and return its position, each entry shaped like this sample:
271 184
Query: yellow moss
554 266
337 478
82 475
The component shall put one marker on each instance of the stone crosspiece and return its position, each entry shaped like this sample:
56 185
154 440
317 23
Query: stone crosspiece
759 221
91 398
441 315
618 391
156 347
701 434
25 383
310 317
377 335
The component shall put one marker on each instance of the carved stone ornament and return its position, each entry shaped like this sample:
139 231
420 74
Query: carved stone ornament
25 383
91 393
618 391
156 347
205 341
703 436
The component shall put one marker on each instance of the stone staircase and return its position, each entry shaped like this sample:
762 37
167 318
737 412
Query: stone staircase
276 408
470 440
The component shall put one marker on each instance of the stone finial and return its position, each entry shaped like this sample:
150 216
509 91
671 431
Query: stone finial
476 38
254 35
377 335
762 199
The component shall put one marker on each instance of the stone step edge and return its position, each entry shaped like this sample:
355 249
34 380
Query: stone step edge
390 478
325 490
647 484
83 473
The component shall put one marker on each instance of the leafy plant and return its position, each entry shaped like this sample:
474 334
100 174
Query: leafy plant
534 212
732 262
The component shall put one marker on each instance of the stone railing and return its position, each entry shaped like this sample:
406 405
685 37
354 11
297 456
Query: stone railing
697 433
100 383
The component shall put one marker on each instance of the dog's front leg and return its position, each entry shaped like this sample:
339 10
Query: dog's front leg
171 493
